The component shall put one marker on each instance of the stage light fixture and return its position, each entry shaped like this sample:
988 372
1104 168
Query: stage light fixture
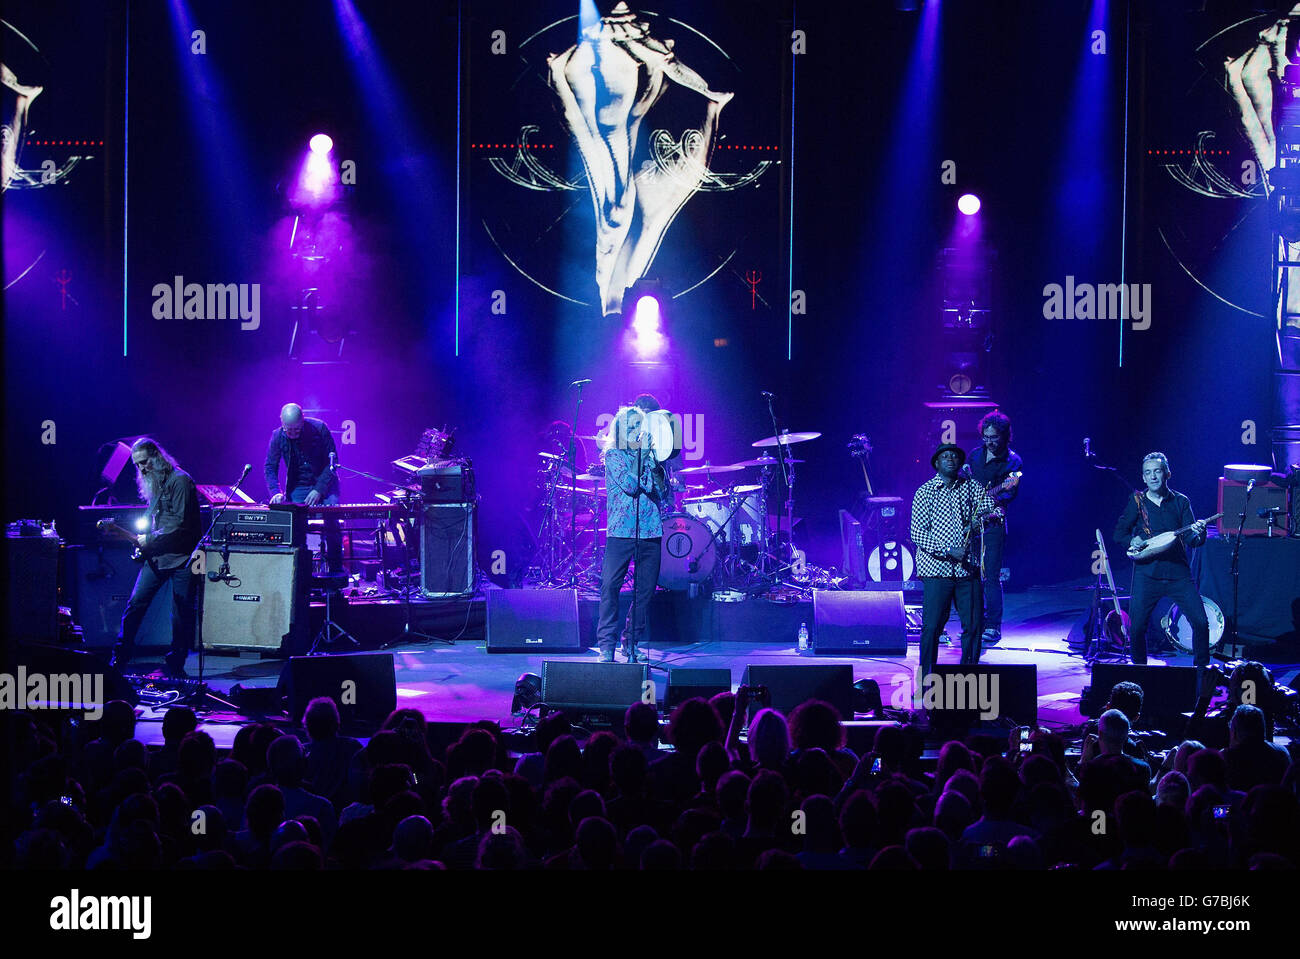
321 143
142 524
969 204
528 692
648 340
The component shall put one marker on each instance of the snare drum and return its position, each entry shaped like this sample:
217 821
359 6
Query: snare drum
687 551
1179 630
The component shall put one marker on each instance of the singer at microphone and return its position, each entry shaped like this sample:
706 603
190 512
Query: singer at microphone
306 447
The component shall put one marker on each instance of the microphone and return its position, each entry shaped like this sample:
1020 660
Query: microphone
334 461
580 382
1266 512
1250 487
1087 447
965 471
247 468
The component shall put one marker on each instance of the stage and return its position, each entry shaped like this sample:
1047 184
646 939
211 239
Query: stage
460 683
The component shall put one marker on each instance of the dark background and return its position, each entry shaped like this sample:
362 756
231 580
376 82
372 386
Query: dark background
1040 128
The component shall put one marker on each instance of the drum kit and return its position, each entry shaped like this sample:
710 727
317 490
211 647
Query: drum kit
716 528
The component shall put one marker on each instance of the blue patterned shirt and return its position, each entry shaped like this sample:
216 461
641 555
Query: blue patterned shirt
625 496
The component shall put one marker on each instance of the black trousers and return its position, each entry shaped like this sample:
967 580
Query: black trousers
1142 601
995 541
941 595
147 584
619 552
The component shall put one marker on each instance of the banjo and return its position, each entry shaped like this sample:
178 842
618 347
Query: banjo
1150 548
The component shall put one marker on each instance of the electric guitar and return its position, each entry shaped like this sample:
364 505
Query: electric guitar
111 530
1148 549
1116 622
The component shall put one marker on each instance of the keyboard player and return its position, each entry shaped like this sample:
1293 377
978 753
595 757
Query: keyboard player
306 447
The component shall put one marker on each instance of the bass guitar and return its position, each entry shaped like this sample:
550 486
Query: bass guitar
1116 622
1149 549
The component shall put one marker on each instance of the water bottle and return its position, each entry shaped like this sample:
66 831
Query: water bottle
803 639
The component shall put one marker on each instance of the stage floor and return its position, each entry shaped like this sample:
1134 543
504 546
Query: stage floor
462 683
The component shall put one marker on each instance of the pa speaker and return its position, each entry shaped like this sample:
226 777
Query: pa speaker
791 685
594 694
447 550
32 567
362 685
533 620
968 697
262 605
1167 691
862 623
684 684
99 580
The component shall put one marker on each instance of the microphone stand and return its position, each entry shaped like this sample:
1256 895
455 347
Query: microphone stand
223 574
572 459
1235 568
787 478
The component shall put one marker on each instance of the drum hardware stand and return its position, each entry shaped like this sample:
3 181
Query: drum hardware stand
571 459
1235 568
787 478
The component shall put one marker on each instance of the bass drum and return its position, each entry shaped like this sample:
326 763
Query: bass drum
687 552
1179 630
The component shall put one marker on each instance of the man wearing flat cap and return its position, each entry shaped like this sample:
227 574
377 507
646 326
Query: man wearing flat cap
942 511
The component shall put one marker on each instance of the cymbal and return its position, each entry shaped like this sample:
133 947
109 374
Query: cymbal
785 439
764 460
589 477
553 461
695 470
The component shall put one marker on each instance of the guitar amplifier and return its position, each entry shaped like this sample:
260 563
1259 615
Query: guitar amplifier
1232 500
262 605
254 525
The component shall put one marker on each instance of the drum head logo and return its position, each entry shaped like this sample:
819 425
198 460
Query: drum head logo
679 545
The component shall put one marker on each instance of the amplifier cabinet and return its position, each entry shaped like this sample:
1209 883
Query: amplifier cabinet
262 605
1232 499
447 550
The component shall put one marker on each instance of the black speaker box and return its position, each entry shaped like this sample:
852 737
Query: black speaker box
963 694
32 568
1167 691
58 660
594 693
533 620
792 685
862 623
362 685
689 683
98 580
447 550
264 605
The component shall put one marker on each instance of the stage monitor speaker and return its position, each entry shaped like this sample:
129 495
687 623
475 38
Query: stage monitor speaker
983 695
690 683
791 685
1232 500
59 661
263 606
362 685
594 694
533 620
98 580
447 550
32 569
859 623
1167 691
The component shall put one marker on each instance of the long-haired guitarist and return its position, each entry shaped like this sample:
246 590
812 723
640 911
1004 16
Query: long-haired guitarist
944 511
1148 513
175 526
997 467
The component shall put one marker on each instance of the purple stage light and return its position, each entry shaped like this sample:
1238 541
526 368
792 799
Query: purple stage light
317 183
321 143
969 204
648 340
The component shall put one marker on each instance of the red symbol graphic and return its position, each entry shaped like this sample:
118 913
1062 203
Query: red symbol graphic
63 279
753 278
